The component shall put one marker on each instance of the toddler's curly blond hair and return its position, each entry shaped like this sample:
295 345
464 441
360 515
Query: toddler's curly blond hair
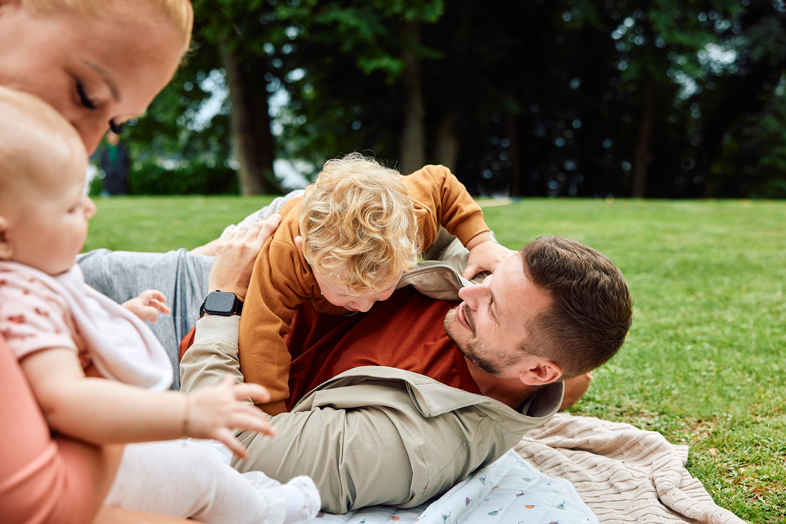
358 223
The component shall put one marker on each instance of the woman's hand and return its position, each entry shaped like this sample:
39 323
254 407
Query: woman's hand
236 252
215 412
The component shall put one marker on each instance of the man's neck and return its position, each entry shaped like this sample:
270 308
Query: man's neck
509 391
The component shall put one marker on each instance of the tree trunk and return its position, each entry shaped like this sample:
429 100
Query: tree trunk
641 157
447 141
413 136
252 140
512 130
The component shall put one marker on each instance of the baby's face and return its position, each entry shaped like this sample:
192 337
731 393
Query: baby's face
49 225
338 294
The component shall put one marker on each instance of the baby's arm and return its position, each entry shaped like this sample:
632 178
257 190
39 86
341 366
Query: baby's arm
148 305
104 412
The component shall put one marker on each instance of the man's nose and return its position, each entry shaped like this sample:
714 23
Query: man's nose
472 293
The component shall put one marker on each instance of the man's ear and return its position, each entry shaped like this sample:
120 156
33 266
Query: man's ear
540 373
5 246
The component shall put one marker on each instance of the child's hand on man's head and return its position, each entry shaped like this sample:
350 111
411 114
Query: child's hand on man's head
148 305
484 254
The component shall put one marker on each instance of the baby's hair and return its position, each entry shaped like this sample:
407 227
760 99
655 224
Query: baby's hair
358 223
179 12
25 124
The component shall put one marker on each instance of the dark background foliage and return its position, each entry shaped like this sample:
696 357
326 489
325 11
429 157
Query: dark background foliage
645 98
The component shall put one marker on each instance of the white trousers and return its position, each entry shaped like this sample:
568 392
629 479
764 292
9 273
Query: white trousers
190 479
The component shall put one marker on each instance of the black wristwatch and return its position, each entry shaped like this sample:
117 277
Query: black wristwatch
221 303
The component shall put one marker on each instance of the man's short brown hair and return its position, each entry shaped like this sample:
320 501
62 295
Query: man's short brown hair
591 310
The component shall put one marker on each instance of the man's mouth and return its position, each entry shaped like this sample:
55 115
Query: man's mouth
464 317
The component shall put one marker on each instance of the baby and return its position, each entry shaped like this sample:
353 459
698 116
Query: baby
96 370
344 246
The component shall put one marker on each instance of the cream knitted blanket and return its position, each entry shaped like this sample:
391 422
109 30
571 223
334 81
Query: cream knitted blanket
624 474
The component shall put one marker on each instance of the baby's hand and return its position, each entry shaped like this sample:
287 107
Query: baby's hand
148 305
215 412
484 257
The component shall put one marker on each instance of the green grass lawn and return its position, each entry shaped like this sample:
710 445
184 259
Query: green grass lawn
705 361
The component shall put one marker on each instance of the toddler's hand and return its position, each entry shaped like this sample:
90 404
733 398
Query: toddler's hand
484 257
215 412
148 305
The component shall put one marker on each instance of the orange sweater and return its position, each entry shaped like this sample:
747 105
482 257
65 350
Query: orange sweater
282 279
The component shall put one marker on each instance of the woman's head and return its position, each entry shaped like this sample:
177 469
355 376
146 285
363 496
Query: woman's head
98 62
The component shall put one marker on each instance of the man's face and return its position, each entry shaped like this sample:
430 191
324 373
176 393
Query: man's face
489 326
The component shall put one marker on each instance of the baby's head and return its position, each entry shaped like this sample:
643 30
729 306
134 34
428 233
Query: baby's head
359 232
43 207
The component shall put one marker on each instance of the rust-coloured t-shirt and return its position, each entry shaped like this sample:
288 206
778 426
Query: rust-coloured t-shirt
406 332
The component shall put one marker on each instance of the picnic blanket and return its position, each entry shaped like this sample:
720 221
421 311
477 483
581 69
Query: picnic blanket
509 490
623 473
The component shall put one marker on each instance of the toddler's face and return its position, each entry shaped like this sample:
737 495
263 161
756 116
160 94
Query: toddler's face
338 294
49 226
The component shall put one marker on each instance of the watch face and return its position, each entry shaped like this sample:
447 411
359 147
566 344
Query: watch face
219 302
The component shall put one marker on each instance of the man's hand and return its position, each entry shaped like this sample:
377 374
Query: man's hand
215 412
235 254
484 254
148 305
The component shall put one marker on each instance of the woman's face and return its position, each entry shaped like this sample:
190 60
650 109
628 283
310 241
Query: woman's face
97 71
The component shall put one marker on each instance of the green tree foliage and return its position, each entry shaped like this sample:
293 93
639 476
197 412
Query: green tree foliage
663 98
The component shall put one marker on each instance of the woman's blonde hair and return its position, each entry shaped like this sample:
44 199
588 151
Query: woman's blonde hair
358 223
179 12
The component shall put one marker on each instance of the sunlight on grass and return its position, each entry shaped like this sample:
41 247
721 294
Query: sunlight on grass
705 361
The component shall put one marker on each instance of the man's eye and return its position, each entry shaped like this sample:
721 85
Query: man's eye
84 98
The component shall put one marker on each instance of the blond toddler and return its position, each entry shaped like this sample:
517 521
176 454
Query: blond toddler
345 245
97 371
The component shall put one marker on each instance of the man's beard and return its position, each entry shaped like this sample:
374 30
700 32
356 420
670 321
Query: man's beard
470 348
484 364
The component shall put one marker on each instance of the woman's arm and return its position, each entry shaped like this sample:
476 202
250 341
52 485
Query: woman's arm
45 479
104 412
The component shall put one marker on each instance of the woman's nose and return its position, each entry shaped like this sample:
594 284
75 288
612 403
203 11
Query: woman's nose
91 130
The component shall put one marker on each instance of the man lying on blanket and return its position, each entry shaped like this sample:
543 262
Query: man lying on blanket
397 405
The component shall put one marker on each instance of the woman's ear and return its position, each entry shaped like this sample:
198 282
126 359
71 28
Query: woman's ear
540 373
5 246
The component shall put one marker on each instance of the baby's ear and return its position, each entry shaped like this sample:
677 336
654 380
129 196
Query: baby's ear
5 246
